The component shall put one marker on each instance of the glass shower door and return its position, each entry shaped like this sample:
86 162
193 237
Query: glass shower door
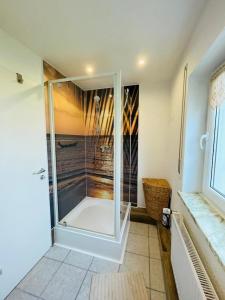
102 150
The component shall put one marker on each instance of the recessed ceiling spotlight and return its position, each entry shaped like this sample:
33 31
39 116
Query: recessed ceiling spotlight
89 69
141 62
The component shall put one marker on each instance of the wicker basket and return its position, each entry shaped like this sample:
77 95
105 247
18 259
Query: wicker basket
157 196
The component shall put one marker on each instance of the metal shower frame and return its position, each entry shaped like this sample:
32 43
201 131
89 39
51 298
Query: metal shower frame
117 144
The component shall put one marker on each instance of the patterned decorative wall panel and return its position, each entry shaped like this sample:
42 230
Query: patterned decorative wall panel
130 143
85 143
99 143
70 143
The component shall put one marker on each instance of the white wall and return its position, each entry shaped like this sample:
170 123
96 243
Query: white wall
195 127
24 197
154 107
210 25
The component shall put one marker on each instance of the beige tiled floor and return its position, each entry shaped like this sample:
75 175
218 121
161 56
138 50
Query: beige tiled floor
64 274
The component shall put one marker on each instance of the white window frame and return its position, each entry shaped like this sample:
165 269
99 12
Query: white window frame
211 194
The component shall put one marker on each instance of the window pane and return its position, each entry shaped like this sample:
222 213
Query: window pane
218 166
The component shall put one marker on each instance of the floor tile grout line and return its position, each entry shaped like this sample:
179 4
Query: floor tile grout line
119 269
162 266
17 286
137 254
156 259
78 267
66 256
89 270
51 279
66 263
91 263
160 260
54 259
158 291
25 292
61 262
81 285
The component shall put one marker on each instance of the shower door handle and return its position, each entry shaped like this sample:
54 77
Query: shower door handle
39 172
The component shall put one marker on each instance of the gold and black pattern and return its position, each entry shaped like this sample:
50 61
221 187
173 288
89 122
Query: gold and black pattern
130 144
85 143
99 143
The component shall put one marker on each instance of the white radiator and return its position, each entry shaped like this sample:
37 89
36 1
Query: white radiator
191 278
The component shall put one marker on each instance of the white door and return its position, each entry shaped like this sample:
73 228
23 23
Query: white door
24 201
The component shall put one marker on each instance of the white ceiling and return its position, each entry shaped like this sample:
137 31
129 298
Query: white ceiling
110 35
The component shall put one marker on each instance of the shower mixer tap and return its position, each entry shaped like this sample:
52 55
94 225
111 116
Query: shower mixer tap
104 148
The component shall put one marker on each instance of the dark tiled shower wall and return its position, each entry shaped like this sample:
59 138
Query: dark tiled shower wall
71 173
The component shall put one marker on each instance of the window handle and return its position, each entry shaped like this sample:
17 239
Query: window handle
203 139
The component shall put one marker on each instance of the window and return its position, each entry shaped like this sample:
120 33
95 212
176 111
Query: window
214 166
218 159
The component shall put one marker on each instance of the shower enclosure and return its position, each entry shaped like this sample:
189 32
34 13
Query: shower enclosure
87 164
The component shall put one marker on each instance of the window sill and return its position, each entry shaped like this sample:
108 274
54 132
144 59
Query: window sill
208 220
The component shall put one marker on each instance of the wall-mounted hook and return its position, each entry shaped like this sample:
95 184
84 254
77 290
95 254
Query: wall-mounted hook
19 78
